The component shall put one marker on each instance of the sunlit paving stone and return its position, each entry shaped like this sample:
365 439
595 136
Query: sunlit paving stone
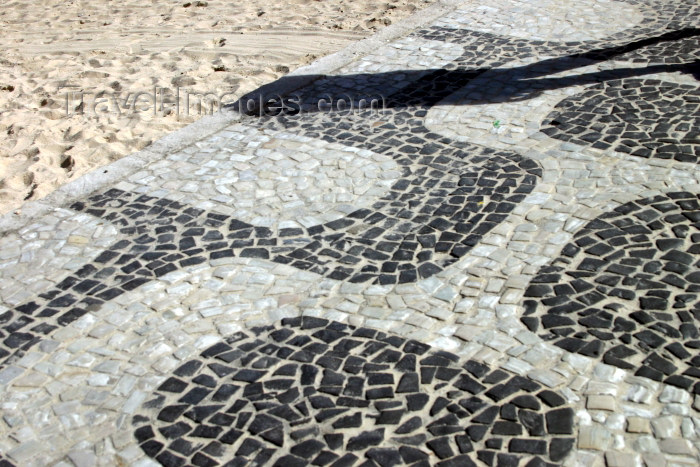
474 245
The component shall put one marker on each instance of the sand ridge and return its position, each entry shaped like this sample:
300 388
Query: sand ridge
71 72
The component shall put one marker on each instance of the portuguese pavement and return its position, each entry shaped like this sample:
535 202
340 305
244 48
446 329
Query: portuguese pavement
495 263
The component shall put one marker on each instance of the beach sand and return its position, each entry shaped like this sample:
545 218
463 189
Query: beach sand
121 59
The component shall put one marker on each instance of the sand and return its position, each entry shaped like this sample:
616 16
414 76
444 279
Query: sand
84 83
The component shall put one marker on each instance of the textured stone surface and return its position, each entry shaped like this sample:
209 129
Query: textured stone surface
496 267
624 290
311 389
606 117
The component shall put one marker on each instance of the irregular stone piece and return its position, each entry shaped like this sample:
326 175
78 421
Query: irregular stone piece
638 425
621 459
677 446
594 437
597 402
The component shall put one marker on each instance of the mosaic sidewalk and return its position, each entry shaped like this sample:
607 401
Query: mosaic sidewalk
500 266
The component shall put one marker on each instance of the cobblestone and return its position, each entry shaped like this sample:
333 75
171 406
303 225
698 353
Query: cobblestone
498 267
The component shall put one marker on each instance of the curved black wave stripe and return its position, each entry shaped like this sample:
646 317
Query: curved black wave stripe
310 391
627 291
647 118
450 194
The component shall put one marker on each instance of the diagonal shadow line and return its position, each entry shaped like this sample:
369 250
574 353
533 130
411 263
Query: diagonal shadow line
523 82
